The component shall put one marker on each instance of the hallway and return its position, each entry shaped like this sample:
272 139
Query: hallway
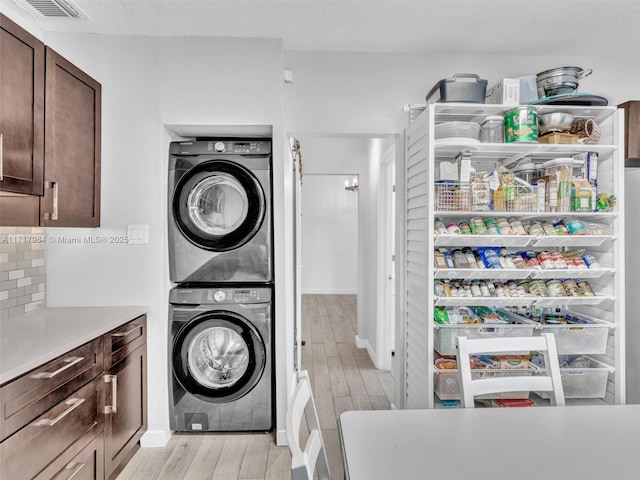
344 378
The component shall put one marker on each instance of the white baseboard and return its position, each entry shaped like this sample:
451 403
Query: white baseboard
360 343
281 438
154 438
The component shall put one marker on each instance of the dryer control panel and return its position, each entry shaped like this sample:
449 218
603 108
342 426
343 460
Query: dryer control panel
219 146
217 296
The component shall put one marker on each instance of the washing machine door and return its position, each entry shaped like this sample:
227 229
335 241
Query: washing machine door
218 356
219 205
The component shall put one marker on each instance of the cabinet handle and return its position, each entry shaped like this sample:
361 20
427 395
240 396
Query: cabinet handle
48 422
55 187
133 328
113 408
70 362
72 469
1 157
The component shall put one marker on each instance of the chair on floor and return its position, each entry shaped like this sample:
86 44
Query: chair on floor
544 344
304 462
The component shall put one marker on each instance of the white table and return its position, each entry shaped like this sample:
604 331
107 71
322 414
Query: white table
527 443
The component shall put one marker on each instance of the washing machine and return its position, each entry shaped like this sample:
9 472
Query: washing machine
221 359
220 227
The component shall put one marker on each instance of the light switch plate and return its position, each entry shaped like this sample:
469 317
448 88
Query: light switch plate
138 234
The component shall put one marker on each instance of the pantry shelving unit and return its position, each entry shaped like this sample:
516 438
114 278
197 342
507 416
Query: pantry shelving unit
423 155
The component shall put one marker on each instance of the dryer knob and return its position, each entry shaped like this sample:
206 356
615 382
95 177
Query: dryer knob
219 146
220 296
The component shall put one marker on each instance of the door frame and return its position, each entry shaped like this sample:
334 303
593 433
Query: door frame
386 233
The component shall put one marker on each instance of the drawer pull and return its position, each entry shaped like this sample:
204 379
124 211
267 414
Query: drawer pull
70 362
48 422
70 471
113 380
133 328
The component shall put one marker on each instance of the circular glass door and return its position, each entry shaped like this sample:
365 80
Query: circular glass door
219 205
218 356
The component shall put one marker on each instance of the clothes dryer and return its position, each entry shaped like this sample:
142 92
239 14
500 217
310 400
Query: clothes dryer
220 211
220 351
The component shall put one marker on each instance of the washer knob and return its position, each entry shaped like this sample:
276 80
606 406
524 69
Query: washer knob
219 146
220 296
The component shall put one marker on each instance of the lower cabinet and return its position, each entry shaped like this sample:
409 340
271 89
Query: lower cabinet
92 425
35 451
126 394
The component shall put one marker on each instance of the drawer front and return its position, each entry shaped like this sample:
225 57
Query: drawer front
121 342
86 465
27 454
27 397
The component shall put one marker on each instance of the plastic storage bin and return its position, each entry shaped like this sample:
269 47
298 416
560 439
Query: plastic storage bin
445 335
447 383
462 87
579 338
588 382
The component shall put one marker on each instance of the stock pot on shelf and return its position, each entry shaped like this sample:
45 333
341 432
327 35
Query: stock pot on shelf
559 81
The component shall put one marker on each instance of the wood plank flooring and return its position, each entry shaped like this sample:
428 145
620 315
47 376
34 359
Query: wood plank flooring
344 378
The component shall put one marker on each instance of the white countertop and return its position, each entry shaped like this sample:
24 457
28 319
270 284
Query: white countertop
30 340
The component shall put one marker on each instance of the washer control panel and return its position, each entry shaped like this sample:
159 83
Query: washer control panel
217 296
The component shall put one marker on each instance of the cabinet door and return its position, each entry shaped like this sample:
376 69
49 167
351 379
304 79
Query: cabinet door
126 410
632 129
22 110
72 152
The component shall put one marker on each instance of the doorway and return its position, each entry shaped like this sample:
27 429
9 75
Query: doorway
330 234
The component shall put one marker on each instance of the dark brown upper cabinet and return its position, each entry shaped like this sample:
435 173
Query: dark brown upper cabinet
72 146
21 110
631 132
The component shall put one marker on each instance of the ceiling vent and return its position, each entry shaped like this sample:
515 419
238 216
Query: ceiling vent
52 8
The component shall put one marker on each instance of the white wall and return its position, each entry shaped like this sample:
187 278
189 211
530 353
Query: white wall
363 93
329 235
147 83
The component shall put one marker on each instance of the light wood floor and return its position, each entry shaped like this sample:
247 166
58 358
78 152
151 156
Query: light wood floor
344 378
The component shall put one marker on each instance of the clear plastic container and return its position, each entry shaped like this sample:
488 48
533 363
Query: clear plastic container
492 130
457 130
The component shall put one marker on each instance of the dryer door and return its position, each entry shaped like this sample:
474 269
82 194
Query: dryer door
219 205
218 356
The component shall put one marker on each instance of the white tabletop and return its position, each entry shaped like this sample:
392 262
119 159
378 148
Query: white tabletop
526 443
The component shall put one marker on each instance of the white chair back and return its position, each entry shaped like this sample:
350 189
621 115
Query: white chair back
544 344
305 461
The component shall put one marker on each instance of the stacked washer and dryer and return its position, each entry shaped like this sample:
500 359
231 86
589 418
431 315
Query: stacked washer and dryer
221 261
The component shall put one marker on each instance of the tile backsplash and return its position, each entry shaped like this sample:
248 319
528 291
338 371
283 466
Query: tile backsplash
22 270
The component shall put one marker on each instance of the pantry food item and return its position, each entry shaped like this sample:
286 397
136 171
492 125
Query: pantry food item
439 227
591 261
477 226
453 229
446 363
575 227
521 125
